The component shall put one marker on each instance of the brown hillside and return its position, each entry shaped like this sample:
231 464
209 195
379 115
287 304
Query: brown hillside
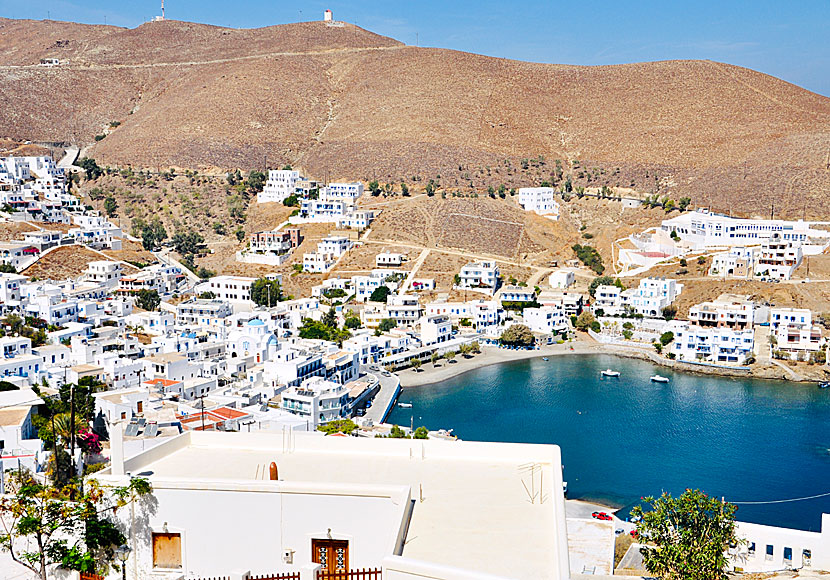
349 104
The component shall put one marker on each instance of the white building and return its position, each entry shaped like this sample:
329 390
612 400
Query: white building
546 319
234 289
346 192
404 309
797 342
729 310
280 185
778 258
701 229
539 200
479 276
389 259
562 279
318 400
328 251
435 329
315 486
717 345
104 272
608 298
790 317
651 296
738 262
517 294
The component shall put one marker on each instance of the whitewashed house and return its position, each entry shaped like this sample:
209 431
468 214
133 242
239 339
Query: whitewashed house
479 276
435 329
280 185
546 319
562 279
729 310
318 400
778 258
716 345
539 200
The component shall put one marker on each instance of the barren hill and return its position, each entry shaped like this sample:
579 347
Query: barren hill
350 104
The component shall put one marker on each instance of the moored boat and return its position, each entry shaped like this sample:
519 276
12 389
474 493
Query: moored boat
610 373
405 405
659 379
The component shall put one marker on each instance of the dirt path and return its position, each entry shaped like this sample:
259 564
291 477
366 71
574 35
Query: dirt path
415 267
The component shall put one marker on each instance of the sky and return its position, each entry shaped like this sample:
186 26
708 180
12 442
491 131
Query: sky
789 40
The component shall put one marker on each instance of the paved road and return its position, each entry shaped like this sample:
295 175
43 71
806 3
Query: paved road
69 158
381 405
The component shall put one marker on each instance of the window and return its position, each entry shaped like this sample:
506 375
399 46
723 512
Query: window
806 558
788 555
167 550
751 549
770 552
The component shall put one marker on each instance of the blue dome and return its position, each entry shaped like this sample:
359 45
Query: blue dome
256 322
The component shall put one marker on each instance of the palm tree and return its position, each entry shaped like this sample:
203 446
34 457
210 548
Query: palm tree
434 358
63 426
416 364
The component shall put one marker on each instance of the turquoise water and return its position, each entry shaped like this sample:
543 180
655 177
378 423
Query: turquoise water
746 440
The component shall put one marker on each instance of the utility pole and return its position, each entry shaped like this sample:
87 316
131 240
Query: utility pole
202 405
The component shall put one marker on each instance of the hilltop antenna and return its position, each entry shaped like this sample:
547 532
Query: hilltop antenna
162 9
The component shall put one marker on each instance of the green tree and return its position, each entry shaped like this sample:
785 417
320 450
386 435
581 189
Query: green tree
380 293
627 334
352 322
669 312
683 204
421 433
256 181
346 426
147 299
430 188
110 206
589 256
265 292
330 318
43 526
585 321
517 335
187 243
153 234
404 189
7 269
688 537
387 324
90 167
374 188
449 355
291 201
604 281
416 364
666 338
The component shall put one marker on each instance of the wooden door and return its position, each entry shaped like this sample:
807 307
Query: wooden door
167 550
332 555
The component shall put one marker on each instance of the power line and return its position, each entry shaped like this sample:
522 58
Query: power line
780 500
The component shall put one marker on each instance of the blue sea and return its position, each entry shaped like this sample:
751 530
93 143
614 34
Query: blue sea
621 439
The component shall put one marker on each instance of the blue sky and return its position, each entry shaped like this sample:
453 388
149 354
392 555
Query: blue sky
789 40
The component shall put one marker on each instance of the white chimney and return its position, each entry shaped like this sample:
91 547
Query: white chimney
117 447
327 16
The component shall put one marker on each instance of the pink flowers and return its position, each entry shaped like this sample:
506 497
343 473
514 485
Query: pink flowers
89 441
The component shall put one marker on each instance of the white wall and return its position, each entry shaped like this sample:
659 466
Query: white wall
234 525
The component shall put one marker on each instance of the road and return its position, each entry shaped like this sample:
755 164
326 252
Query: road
69 158
164 257
382 403
415 267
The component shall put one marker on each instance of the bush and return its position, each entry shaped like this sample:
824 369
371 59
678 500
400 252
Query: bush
589 256
379 294
517 335
666 338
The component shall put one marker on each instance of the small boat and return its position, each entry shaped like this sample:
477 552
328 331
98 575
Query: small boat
545 358
610 373
659 379
824 385
405 405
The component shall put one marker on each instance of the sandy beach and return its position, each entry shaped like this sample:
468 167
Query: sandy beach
489 355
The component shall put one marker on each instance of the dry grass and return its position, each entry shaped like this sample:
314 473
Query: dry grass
724 135
62 263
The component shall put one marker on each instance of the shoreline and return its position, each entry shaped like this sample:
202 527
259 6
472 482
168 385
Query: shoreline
429 374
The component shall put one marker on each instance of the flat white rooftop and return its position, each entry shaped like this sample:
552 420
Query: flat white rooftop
491 507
